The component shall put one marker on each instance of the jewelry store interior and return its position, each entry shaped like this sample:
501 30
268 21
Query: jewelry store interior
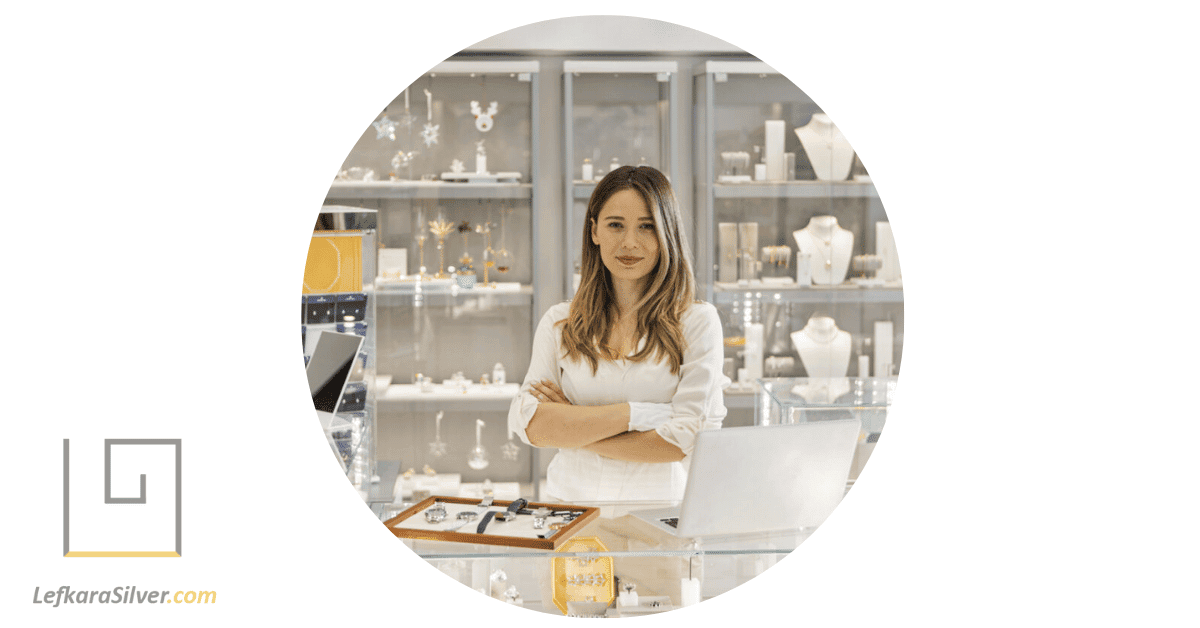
455 223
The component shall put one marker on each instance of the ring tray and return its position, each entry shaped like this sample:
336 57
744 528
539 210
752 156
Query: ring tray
519 532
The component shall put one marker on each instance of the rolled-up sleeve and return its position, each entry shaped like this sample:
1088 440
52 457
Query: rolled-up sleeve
698 403
543 365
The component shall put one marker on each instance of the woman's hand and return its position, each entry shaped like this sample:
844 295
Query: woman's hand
546 390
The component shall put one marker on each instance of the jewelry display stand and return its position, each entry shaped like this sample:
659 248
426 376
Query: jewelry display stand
828 151
824 349
520 532
829 247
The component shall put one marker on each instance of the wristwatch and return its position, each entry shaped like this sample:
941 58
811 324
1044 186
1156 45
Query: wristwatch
511 512
507 515
467 516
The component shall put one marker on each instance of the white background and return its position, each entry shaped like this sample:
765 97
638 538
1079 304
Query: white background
100 527
163 165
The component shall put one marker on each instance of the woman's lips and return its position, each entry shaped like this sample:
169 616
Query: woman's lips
629 261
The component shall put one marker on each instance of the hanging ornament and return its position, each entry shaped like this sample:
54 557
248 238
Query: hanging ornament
407 118
483 121
430 133
385 128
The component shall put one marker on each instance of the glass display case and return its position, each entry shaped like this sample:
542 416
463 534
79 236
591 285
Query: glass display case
338 296
616 113
664 571
785 400
449 165
799 257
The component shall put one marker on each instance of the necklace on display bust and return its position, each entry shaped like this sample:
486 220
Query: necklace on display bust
823 127
827 253
821 329
821 229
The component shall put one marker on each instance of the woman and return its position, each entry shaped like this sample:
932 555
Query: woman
624 376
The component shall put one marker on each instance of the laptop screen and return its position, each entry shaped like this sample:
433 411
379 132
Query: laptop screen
329 368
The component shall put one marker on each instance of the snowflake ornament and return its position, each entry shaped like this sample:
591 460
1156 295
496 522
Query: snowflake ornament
457 166
430 134
385 128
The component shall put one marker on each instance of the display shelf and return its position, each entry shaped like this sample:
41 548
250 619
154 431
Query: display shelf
485 298
796 189
582 190
747 112
478 398
369 190
436 327
726 293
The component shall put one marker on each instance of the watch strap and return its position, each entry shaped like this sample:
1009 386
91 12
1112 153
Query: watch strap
483 523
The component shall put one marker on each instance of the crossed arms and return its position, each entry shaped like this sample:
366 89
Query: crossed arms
603 430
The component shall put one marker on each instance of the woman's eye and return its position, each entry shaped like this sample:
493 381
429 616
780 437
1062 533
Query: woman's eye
648 227
615 225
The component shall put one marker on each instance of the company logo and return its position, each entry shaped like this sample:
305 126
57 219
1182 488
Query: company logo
111 522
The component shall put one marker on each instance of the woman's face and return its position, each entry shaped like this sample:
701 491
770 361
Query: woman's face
625 232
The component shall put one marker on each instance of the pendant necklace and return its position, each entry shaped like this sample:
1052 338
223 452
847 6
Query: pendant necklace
828 248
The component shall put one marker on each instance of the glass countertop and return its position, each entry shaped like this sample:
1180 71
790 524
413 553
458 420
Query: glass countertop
830 392
624 535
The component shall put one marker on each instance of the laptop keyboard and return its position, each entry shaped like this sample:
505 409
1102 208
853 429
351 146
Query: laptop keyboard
671 521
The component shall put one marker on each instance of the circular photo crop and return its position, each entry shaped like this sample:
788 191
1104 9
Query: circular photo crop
602 316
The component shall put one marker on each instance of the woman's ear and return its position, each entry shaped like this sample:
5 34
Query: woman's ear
595 237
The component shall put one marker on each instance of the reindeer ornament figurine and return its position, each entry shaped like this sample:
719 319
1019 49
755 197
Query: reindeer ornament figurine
483 121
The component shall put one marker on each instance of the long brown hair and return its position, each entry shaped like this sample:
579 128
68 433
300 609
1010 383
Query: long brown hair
668 294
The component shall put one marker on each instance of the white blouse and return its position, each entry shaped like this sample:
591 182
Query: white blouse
695 396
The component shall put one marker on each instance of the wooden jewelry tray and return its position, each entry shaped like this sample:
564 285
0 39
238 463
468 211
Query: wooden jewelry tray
520 532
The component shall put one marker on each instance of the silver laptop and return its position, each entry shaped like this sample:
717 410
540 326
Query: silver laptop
762 478
328 370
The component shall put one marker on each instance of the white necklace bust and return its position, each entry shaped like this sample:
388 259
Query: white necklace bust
830 248
824 349
827 149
